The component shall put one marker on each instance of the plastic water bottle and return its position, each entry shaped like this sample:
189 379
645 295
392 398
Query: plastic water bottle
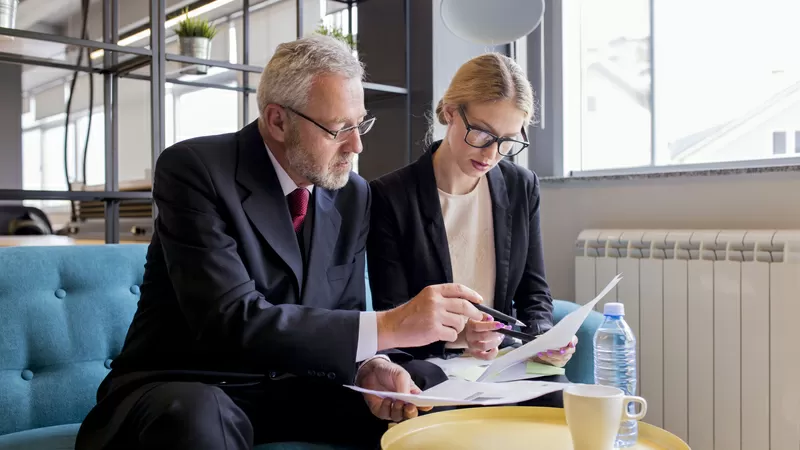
615 364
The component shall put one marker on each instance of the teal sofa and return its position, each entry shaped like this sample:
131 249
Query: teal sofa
64 313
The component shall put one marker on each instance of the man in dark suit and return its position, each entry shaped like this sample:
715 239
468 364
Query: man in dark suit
251 317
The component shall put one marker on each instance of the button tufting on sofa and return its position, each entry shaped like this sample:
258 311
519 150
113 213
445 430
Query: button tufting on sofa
66 340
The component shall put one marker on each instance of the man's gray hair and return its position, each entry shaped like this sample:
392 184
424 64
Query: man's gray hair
290 72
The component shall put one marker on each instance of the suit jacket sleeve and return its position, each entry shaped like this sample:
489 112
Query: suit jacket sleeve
216 294
532 298
387 274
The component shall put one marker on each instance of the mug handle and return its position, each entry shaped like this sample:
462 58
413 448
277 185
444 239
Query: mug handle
627 400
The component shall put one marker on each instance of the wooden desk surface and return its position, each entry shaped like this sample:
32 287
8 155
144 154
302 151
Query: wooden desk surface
47 240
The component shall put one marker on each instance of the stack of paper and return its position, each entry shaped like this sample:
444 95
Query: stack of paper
559 336
462 392
477 382
470 368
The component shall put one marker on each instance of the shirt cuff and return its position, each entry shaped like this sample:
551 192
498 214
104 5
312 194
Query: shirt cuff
358 371
367 336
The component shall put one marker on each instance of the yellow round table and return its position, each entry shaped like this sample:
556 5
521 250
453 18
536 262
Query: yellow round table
503 427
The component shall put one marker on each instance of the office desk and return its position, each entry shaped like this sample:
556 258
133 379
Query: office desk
47 240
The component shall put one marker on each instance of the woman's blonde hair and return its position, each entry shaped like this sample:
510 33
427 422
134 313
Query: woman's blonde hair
489 77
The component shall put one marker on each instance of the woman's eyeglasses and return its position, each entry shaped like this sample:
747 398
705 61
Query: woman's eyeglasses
339 135
478 138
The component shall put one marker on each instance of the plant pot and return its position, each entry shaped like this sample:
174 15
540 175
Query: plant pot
8 13
195 47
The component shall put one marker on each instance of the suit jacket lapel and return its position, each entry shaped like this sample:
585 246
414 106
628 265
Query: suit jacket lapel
501 221
324 235
265 204
428 195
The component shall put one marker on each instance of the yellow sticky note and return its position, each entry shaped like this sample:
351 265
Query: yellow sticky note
543 369
471 373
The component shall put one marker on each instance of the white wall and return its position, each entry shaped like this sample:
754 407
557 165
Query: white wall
755 201
449 53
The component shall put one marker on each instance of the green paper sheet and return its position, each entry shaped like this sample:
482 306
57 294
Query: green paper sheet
543 369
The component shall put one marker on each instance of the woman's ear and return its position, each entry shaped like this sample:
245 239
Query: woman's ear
449 112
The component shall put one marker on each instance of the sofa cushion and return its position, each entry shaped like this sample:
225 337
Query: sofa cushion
580 368
64 314
59 437
62 437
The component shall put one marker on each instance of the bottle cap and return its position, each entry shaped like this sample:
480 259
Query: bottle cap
614 309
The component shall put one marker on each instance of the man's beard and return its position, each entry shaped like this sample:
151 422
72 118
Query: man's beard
301 160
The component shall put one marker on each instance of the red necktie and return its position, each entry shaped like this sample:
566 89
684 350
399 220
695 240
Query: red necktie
298 205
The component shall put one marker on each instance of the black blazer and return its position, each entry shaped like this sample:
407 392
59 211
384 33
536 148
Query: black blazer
226 294
407 248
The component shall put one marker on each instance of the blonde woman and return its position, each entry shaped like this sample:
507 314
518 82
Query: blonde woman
464 213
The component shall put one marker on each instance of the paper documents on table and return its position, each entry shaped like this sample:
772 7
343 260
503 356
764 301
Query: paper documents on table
558 336
470 368
462 392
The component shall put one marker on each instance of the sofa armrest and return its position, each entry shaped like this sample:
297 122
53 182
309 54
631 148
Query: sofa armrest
580 368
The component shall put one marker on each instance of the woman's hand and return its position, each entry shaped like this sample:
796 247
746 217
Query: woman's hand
482 341
558 357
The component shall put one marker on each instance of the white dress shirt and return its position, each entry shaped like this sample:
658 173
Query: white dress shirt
368 320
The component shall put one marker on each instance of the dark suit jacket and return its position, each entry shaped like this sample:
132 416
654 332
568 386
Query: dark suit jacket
226 294
407 245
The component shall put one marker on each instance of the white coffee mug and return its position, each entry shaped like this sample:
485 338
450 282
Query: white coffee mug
595 413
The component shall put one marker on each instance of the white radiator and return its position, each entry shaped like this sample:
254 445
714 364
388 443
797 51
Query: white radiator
716 314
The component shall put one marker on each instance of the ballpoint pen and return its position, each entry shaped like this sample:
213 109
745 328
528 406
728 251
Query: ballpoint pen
524 337
497 315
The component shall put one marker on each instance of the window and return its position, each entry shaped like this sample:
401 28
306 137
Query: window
96 151
684 82
205 112
32 160
339 18
797 141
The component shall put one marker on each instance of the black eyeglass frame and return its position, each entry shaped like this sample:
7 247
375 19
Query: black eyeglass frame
525 144
335 134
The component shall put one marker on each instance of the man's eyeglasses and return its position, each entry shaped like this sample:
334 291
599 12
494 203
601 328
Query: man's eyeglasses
339 135
478 138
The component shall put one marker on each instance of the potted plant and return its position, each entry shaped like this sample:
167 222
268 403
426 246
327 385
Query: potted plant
338 34
8 13
195 35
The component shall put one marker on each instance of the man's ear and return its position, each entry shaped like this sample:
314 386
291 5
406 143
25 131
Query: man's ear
274 118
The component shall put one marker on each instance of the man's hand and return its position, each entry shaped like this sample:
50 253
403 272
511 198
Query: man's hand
482 341
379 374
558 357
438 313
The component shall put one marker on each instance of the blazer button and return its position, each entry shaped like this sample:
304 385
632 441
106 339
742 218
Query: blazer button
273 374
331 375
311 373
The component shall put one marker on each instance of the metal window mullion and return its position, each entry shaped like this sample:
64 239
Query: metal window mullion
110 116
157 82
653 131
245 60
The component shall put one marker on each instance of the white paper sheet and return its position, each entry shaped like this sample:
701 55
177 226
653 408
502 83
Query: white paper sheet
470 369
558 336
462 392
